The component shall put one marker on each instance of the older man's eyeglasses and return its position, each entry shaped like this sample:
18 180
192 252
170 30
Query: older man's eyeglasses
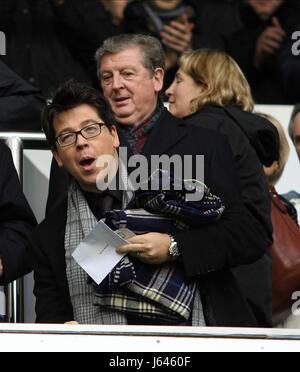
69 138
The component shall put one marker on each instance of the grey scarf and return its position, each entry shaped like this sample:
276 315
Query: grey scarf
80 221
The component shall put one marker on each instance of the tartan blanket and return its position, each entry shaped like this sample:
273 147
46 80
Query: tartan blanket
148 291
155 291
141 221
184 213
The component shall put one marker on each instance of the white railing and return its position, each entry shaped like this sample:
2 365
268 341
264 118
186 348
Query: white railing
17 141
127 339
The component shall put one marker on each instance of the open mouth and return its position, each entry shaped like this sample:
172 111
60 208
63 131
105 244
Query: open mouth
87 164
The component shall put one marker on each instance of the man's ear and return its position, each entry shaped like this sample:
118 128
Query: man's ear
57 157
115 137
277 165
158 78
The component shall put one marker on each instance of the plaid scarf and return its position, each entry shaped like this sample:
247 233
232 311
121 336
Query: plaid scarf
160 292
141 221
156 291
80 221
173 200
138 136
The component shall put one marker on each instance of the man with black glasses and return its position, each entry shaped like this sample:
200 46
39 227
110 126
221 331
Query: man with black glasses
79 129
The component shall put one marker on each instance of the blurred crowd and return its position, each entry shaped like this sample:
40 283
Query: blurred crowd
50 41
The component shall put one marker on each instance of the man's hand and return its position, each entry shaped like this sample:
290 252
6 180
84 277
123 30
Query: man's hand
151 248
1 268
269 42
178 35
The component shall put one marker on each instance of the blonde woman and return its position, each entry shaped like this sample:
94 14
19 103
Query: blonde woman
210 91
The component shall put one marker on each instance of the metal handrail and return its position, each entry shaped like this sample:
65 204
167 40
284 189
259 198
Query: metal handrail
17 141
24 136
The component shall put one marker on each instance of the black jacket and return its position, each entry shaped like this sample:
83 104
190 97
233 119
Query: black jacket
36 48
289 67
86 24
16 221
235 123
20 103
256 279
208 253
267 83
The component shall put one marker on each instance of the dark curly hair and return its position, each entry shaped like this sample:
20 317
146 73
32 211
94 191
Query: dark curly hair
70 95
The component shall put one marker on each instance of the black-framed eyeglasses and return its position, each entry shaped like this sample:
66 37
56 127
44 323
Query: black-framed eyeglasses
87 132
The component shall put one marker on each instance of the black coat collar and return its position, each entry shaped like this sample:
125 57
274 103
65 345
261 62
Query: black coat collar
165 135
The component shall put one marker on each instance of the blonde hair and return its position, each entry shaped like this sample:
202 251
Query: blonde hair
284 149
225 83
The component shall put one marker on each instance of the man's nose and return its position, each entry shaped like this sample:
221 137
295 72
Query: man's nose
81 141
117 82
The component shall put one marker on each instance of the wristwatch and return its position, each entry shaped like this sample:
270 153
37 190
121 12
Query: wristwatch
173 249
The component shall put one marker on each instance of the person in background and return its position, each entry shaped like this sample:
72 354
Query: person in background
171 21
210 91
262 45
37 49
179 24
20 107
275 170
116 8
273 174
86 25
288 63
294 133
16 223
294 128
20 103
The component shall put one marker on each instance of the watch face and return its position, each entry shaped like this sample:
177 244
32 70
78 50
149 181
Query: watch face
174 249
